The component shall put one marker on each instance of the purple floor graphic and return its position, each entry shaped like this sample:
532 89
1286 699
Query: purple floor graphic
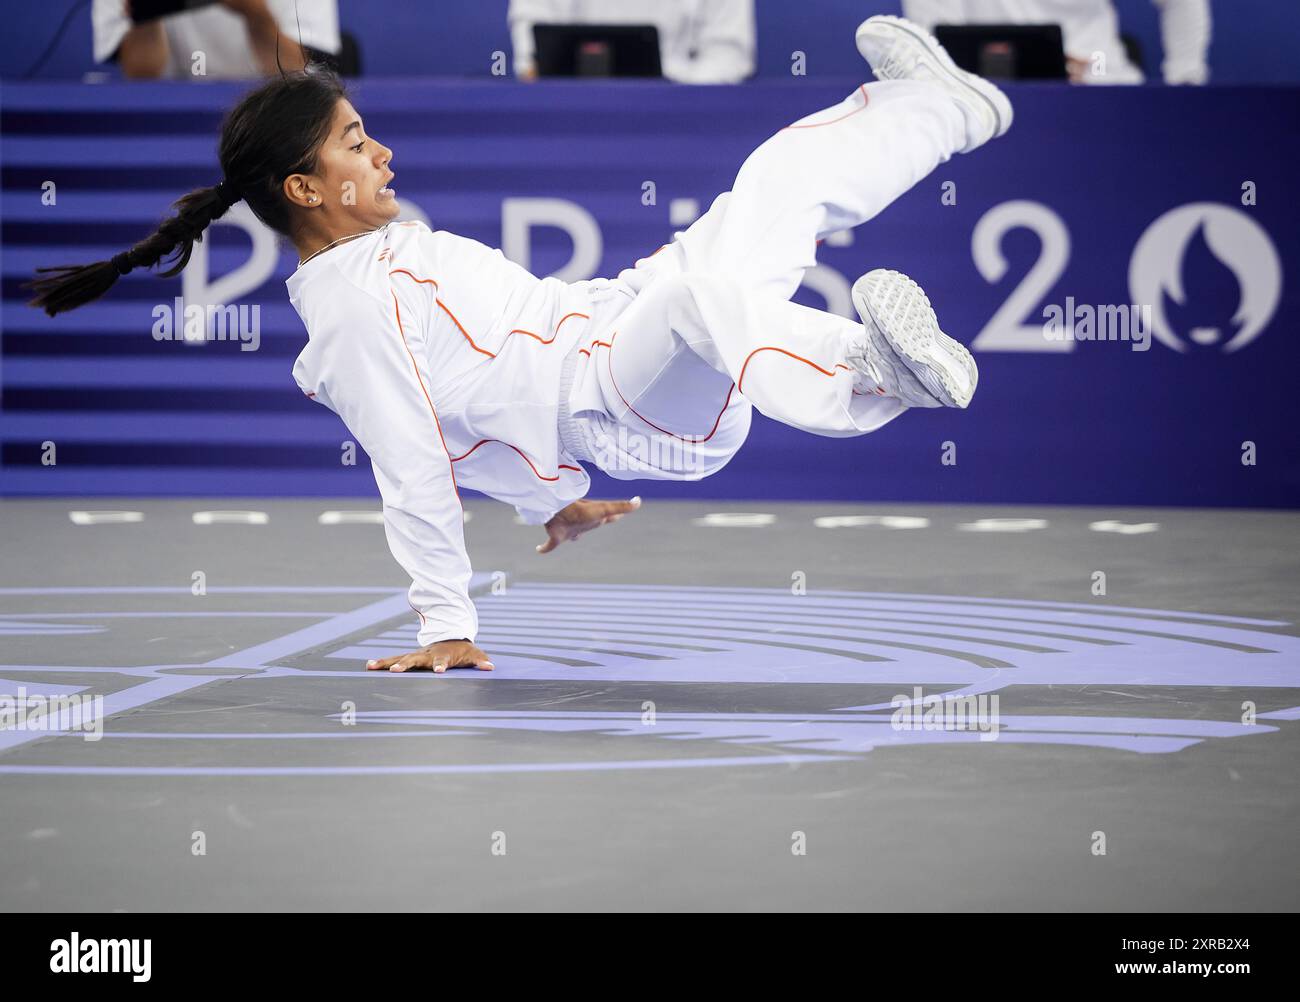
947 657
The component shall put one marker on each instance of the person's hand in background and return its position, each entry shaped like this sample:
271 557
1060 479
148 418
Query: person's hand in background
265 34
144 50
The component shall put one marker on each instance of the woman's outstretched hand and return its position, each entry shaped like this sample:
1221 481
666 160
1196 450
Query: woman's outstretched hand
573 520
440 656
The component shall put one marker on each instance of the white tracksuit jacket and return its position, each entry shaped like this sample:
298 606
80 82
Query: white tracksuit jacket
408 372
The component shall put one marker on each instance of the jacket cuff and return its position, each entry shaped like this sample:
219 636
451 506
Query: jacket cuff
531 517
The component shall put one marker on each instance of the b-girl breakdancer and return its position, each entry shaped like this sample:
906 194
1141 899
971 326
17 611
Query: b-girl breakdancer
453 366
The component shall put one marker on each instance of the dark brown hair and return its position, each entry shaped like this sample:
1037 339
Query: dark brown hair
275 131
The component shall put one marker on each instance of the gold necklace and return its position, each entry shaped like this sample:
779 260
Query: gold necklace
333 243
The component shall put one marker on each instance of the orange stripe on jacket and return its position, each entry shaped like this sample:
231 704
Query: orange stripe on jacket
557 328
485 441
465 333
594 344
397 310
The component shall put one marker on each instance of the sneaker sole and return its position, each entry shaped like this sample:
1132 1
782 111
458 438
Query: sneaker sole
990 93
902 313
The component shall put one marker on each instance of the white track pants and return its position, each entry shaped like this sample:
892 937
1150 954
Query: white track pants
711 330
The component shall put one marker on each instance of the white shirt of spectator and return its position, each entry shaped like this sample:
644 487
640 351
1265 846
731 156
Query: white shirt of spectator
700 41
1090 27
220 34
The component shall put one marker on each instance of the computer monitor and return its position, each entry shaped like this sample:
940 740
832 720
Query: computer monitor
597 50
151 10
1006 51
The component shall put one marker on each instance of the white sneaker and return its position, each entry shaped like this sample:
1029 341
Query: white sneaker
880 372
897 49
903 352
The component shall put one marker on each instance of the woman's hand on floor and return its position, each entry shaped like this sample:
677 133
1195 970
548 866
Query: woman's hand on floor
440 656
572 521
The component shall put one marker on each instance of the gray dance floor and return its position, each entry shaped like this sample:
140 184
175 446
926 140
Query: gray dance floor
710 705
